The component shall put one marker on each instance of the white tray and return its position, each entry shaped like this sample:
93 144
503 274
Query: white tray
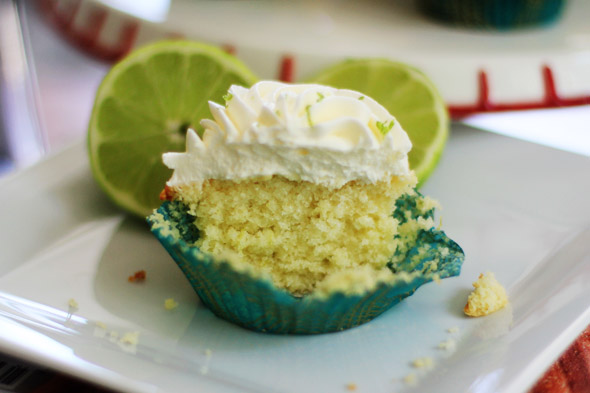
518 209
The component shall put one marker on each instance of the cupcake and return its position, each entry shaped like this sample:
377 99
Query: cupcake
296 211
495 14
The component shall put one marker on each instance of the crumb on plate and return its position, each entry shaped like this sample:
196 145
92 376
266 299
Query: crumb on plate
73 304
138 276
113 335
130 338
410 379
423 362
447 345
488 296
205 367
129 341
170 304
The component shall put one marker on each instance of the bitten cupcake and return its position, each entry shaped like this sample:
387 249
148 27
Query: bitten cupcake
494 14
296 211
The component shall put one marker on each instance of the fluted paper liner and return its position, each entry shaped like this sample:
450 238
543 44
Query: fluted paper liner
248 298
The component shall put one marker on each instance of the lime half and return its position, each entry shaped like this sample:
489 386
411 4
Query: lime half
408 95
143 108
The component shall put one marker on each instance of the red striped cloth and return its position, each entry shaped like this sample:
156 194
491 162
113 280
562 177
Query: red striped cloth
571 373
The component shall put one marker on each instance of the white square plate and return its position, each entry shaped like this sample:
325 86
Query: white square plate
518 209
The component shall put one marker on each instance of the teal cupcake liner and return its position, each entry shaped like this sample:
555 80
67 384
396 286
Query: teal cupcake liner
250 300
495 14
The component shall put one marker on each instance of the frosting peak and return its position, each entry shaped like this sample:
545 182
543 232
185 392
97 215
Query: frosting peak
302 132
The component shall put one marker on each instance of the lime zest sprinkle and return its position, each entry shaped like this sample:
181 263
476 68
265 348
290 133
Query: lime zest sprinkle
308 113
384 126
227 97
320 96
278 113
361 98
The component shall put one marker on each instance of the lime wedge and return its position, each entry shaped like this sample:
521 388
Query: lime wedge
143 108
407 94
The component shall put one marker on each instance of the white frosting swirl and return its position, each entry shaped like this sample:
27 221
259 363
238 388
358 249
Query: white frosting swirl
302 132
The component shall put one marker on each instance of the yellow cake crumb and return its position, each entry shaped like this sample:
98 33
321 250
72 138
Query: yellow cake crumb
129 341
100 330
73 304
354 280
130 338
113 335
447 345
298 232
453 330
205 367
170 304
351 387
488 296
423 362
410 379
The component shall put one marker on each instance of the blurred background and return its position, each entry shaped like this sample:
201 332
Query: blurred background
531 82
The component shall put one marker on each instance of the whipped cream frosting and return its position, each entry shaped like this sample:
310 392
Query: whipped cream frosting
306 132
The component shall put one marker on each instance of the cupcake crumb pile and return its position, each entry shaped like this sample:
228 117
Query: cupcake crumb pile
487 297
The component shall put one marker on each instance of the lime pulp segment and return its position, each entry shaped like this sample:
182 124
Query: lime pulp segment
143 108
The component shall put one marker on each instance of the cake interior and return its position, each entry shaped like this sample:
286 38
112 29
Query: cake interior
299 233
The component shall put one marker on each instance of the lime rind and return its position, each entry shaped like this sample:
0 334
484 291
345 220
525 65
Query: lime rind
149 105
436 147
